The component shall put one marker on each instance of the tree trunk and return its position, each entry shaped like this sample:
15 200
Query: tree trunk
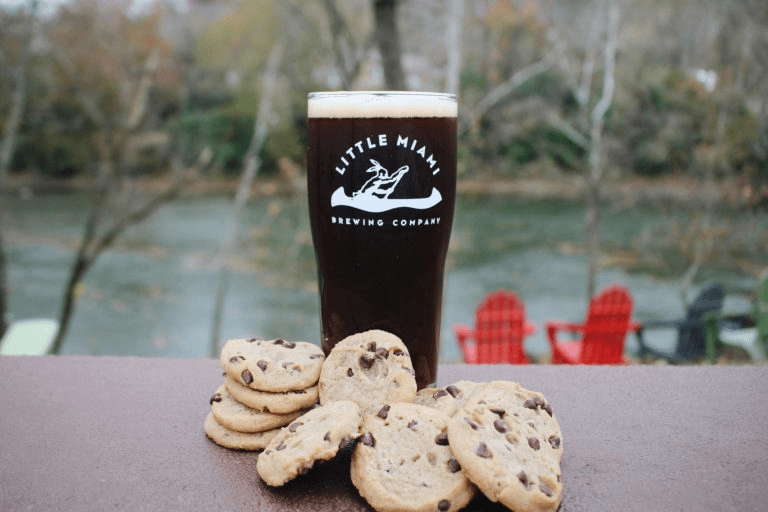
453 44
7 147
93 243
388 38
596 165
252 164
18 100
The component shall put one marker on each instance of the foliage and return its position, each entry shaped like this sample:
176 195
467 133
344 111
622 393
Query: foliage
662 121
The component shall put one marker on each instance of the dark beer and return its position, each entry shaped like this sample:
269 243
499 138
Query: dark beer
382 182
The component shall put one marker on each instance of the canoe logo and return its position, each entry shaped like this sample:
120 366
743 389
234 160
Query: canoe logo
373 195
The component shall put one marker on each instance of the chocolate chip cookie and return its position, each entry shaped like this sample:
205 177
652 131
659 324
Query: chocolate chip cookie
317 435
227 438
272 365
447 399
403 461
371 368
509 444
277 403
233 415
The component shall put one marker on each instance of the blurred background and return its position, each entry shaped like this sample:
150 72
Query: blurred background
152 157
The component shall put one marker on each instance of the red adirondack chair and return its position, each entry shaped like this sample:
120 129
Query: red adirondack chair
500 329
602 334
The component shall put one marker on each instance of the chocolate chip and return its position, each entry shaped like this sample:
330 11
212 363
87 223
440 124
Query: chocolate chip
372 346
350 373
453 390
382 353
440 393
262 364
281 446
247 377
548 408
534 443
539 401
471 423
453 465
523 478
316 356
234 359
554 442
499 412
327 436
294 426
367 360
216 398
251 340
443 505
383 412
398 352
305 468
546 490
412 424
289 344
483 451
442 439
278 341
499 426
345 441
368 440
529 404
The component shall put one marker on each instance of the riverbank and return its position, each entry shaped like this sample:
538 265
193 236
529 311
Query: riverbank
627 191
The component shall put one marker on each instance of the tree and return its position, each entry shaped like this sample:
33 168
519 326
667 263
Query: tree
388 38
8 143
252 164
114 208
596 170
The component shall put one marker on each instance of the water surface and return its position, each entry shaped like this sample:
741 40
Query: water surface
153 293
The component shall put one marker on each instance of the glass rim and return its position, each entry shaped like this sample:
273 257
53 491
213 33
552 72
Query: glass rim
391 104
379 93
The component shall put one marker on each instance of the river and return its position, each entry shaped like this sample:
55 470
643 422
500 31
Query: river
153 293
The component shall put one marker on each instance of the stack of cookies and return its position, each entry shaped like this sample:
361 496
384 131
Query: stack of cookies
267 384
412 451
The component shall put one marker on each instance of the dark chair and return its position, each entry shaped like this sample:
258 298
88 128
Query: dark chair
603 332
691 339
500 329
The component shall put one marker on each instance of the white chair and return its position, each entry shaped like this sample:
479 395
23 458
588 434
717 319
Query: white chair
31 337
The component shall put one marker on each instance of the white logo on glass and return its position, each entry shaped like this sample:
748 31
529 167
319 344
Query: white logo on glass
373 196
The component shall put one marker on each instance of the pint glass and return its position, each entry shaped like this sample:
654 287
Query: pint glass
381 173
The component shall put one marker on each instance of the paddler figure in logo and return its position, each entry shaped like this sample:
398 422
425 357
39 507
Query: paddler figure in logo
382 184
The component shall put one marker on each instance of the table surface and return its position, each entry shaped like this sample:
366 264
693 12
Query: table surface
114 433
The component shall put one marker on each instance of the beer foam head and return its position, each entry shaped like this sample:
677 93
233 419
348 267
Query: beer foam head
380 104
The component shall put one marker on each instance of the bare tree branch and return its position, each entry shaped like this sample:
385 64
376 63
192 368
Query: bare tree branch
595 171
8 145
347 61
388 38
18 100
496 95
252 164
453 43
112 146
